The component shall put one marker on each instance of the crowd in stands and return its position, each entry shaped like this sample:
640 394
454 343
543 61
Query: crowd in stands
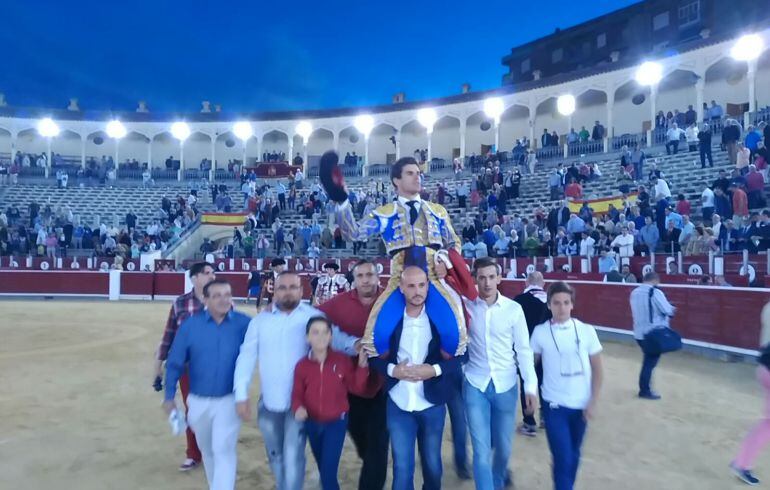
57 232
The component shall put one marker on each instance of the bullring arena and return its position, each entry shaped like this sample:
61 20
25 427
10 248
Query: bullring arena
632 144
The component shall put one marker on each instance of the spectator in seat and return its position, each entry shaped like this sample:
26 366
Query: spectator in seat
671 238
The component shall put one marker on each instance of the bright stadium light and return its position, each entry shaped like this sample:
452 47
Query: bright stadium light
242 130
48 128
427 117
747 48
364 124
493 108
649 73
565 104
180 131
116 130
304 128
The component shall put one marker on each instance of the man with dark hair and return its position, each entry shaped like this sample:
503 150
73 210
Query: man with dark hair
415 232
651 310
533 302
366 419
206 343
499 345
186 305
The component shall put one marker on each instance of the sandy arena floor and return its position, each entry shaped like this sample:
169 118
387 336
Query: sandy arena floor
77 412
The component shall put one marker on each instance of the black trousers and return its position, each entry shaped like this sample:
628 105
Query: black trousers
705 153
367 427
530 419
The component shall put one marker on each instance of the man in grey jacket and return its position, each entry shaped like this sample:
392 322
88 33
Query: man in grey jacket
650 310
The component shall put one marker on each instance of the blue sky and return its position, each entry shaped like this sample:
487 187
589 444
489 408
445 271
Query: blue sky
253 56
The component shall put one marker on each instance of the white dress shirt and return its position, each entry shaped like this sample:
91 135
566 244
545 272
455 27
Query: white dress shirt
413 348
278 340
625 244
403 200
499 341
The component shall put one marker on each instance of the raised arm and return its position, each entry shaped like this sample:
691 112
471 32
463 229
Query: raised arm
352 230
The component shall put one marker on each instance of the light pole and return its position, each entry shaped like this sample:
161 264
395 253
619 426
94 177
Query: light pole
493 108
116 131
48 129
180 131
748 48
364 124
427 118
649 74
565 104
304 129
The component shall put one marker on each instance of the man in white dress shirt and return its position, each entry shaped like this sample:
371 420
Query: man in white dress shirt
419 382
276 337
499 341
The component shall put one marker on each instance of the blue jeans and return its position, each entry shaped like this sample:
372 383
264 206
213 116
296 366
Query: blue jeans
459 423
285 446
426 427
649 362
326 440
565 428
491 418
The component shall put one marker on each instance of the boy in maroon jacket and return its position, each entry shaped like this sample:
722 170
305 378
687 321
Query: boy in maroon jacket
320 396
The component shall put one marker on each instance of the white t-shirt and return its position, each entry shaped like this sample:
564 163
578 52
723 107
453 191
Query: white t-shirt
625 244
707 198
566 349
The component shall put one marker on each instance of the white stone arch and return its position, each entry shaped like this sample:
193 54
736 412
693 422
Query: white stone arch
320 141
229 148
164 146
196 148
591 106
276 140
479 133
628 115
351 140
7 148
676 90
548 118
99 145
382 150
514 125
414 136
69 145
725 82
135 146
446 137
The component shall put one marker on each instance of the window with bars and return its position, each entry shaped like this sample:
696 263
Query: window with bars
689 14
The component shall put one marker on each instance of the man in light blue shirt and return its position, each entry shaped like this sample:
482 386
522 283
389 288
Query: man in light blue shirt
687 231
672 215
207 345
606 263
277 339
649 235
575 226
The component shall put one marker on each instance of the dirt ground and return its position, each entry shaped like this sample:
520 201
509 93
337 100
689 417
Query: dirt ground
77 412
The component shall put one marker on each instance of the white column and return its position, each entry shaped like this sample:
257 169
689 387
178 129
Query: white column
653 102
14 139
259 149
398 145
213 158
366 155
430 150
83 152
532 141
336 144
610 120
117 152
751 76
181 160
149 155
699 89
463 130
291 149
497 136
566 140
305 163
48 162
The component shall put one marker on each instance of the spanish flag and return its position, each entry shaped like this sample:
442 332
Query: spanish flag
225 219
601 206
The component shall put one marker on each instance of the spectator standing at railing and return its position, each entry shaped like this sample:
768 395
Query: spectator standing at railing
597 134
690 117
572 137
715 112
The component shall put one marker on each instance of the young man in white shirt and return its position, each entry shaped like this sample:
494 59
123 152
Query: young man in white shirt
419 381
499 341
624 242
707 202
572 378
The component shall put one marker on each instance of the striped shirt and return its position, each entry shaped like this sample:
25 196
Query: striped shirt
646 298
183 308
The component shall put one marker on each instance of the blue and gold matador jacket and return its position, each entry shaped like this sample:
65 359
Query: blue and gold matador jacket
414 244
